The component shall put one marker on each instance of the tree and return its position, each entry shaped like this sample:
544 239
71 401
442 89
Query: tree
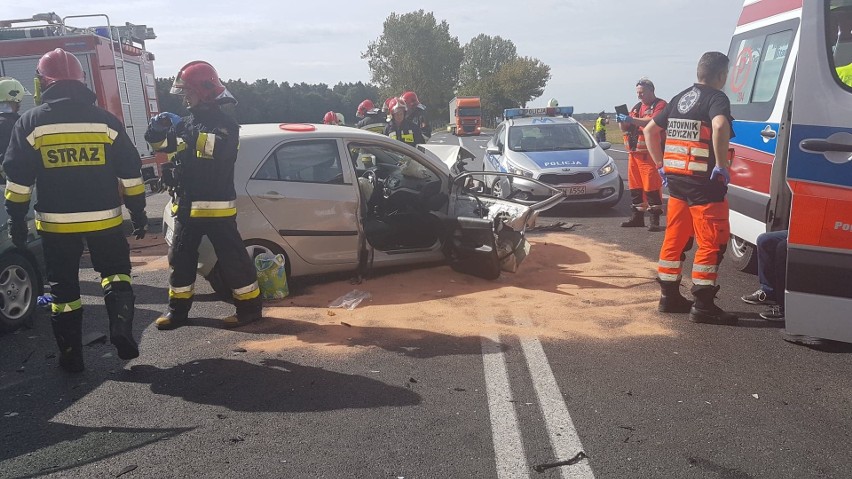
484 55
522 80
415 52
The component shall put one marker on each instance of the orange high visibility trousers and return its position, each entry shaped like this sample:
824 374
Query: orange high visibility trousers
708 225
642 176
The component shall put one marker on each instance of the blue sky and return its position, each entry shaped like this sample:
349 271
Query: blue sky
596 49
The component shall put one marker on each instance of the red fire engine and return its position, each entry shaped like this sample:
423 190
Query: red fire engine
117 66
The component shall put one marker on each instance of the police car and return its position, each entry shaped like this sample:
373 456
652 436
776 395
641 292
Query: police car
548 145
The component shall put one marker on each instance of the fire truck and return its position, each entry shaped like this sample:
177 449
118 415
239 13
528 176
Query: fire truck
118 68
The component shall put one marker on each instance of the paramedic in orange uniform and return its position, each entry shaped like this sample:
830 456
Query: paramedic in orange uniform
694 164
642 176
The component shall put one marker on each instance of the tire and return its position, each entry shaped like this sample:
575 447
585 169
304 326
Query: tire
743 254
254 248
18 291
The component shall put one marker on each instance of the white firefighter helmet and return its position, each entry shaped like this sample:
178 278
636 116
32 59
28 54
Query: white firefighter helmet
552 103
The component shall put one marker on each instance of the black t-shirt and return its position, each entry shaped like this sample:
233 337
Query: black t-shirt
703 103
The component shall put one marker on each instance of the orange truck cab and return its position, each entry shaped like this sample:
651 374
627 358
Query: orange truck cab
789 85
465 116
118 68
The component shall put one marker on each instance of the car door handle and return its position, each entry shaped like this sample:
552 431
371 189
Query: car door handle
768 132
271 195
813 145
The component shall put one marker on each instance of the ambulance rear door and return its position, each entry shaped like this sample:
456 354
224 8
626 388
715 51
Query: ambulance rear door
819 172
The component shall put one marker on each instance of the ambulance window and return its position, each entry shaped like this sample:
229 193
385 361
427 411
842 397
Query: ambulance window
839 41
758 61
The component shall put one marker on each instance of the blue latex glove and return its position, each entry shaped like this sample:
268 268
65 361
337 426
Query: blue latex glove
723 172
622 118
662 171
164 121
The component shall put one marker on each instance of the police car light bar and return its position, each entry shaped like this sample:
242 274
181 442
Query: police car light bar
564 111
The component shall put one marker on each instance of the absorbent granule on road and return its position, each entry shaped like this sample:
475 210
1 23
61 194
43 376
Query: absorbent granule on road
569 287
149 254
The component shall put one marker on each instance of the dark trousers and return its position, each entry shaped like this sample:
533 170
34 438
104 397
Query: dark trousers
772 264
234 264
600 136
110 255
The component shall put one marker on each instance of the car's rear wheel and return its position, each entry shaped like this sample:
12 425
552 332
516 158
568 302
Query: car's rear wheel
254 248
18 291
743 254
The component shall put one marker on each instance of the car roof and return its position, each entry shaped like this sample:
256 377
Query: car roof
536 119
278 130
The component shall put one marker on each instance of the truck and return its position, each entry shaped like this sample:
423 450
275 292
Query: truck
118 68
791 97
465 116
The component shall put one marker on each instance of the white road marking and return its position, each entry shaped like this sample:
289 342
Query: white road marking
620 151
508 447
563 437
481 147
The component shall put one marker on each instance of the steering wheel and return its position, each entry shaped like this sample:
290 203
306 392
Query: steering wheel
371 176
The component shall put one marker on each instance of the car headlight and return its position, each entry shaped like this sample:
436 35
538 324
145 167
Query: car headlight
515 170
606 169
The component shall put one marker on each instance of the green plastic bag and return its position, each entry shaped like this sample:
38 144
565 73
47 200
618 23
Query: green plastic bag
271 275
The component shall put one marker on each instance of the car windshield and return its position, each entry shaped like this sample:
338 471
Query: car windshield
549 137
470 112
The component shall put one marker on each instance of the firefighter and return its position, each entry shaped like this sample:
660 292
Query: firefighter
11 95
369 114
695 164
201 178
400 127
552 103
416 112
330 118
82 162
600 127
642 177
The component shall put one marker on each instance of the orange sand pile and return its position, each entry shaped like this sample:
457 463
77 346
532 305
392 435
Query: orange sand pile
149 253
568 287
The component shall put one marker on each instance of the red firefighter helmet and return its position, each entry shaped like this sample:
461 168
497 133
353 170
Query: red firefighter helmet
364 107
202 79
410 99
397 104
57 65
386 105
330 118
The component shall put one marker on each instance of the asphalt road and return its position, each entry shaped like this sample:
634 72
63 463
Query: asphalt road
705 401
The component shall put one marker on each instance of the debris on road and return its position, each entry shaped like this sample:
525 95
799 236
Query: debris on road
412 380
239 350
127 468
756 396
330 313
570 462
346 324
558 226
350 300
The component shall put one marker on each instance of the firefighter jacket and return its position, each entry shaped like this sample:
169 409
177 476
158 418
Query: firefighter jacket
407 132
204 147
688 156
7 121
372 117
80 159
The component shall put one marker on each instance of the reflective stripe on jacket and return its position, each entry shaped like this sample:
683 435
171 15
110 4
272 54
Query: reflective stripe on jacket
688 147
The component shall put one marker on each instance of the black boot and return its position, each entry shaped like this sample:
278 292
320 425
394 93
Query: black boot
68 331
635 221
671 301
654 220
705 310
248 311
119 305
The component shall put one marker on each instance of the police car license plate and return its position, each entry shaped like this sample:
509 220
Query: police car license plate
574 190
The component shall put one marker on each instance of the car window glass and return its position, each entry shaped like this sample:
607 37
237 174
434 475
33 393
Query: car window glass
389 160
549 137
771 66
499 135
312 161
839 42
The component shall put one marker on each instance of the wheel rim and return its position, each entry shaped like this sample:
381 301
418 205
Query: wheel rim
16 292
738 247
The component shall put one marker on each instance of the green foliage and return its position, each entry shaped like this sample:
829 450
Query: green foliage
265 101
493 71
417 53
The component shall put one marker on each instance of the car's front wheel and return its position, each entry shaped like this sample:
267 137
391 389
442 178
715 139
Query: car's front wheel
254 249
18 291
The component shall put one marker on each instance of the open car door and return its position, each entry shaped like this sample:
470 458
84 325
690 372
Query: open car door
486 234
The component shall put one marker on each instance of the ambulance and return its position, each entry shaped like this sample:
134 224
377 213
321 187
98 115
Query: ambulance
792 167
117 67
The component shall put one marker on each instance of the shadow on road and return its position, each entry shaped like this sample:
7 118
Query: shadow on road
273 386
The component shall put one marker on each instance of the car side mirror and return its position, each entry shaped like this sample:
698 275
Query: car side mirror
605 145
494 150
